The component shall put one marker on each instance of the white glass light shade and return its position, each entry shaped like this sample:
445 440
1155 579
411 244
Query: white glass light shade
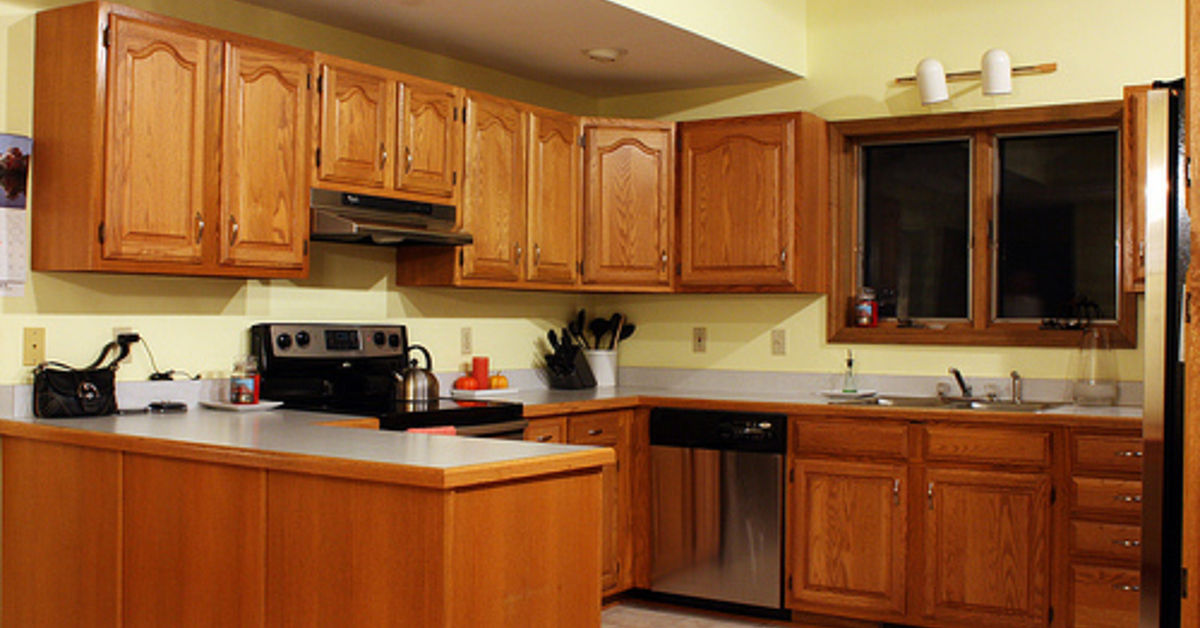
996 68
931 81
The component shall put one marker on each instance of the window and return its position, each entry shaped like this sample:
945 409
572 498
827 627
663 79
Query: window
998 227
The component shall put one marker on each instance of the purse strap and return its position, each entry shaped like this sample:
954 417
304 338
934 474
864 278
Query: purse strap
121 348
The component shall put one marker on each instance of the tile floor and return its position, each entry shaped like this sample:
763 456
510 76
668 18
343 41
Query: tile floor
638 614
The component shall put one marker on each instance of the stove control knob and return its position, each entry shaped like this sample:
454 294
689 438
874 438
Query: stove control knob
302 338
379 338
394 340
283 341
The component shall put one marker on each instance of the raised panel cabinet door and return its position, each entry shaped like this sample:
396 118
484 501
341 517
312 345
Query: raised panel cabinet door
738 202
849 527
264 173
1133 186
987 547
628 205
353 133
154 206
430 139
494 189
553 214
611 429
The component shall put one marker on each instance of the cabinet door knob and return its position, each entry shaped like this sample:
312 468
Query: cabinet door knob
895 491
382 155
783 256
517 249
543 438
407 159
199 227
663 257
233 229
537 254
595 432
929 495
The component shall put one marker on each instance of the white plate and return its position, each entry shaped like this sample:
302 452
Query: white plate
840 394
463 393
241 407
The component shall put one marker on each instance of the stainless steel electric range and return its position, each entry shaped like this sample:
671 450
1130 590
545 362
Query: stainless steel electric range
356 369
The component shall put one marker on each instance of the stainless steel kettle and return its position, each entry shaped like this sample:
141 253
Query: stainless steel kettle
418 384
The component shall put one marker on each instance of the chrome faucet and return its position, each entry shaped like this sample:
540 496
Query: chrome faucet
962 383
1016 386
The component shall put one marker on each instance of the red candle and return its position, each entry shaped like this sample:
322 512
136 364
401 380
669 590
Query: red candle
479 370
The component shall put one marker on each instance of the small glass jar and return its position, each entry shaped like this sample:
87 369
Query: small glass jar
866 308
243 381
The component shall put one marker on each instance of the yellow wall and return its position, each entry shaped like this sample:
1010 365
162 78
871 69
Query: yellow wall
853 50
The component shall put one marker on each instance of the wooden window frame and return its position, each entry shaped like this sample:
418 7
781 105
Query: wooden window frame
845 140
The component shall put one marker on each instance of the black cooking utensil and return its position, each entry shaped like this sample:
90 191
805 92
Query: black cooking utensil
553 339
626 331
614 327
598 327
576 326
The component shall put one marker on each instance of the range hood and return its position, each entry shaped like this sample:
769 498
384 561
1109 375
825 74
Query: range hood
346 217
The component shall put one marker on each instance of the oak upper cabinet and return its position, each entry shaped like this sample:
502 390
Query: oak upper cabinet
264 175
553 178
1133 188
352 143
429 139
987 547
493 209
187 155
629 192
851 526
155 206
752 213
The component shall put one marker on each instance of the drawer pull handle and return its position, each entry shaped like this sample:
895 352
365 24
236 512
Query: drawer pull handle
895 491
1133 588
1129 453
543 438
1129 499
595 432
1127 543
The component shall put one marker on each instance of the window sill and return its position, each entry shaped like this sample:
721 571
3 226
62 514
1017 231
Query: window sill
997 335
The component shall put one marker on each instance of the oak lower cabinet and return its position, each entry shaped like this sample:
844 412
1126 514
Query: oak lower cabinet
920 524
1105 533
987 547
608 429
753 201
850 527
185 155
629 203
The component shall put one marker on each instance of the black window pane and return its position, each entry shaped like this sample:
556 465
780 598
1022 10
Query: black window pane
1057 226
916 220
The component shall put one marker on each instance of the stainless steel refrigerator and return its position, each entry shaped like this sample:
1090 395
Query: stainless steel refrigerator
1166 261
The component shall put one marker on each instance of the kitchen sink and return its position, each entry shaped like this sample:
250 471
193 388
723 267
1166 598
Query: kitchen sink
951 403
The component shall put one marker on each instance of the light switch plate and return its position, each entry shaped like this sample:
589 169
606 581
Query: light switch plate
34 344
466 346
778 342
699 339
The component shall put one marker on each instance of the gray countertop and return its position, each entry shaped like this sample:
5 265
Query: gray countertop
299 433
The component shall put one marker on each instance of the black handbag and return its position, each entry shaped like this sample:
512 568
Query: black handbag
61 391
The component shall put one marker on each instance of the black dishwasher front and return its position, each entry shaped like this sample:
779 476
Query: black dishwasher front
717 505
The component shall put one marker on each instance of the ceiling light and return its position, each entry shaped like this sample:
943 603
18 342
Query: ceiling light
604 55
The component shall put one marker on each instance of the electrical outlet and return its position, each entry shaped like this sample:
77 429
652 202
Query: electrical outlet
118 332
34 352
465 345
699 339
778 342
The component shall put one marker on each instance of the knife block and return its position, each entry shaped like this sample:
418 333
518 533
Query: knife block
579 377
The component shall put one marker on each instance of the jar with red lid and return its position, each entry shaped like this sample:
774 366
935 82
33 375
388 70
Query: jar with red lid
866 309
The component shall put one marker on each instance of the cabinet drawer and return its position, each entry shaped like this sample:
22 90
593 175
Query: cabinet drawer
1104 597
998 446
602 428
852 438
545 431
1108 540
1093 452
1105 495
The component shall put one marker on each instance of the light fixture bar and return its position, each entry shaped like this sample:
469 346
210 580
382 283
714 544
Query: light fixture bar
966 75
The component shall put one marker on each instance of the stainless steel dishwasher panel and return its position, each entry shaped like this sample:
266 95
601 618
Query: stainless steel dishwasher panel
717 518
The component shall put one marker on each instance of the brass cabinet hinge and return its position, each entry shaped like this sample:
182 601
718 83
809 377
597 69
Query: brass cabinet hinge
1183 582
1053 494
100 233
792 474
1050 616
105 38
306 246
318 157
460 256
454 178
309 82
582 141
320 85
789 583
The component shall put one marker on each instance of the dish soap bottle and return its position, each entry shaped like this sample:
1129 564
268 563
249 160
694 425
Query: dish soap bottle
849 385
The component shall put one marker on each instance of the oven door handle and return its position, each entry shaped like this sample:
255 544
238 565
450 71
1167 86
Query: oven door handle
495 430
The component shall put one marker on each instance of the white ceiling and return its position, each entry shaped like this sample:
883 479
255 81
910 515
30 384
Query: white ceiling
543 40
